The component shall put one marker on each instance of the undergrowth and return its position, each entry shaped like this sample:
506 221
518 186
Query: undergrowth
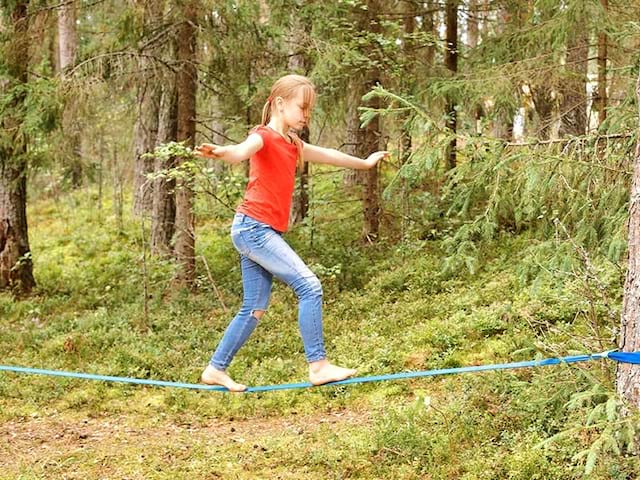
388 307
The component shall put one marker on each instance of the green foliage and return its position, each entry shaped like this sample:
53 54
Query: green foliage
514 254
572 194
387 309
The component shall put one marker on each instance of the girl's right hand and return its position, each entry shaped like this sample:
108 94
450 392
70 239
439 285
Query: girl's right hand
375 157
209 150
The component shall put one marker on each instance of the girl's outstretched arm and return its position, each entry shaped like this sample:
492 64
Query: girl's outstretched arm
329 156
231 153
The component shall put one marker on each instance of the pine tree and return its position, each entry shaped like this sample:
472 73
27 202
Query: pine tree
16 268
186 82
628 375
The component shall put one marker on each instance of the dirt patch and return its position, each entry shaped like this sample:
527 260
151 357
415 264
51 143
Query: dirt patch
45 444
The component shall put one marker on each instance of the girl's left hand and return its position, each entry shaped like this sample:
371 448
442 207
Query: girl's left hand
209 150
375 157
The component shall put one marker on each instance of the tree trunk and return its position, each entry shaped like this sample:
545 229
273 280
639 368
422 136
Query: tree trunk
67 35
356 90
600 99
67 52
473 39
148 96
544 104
573 108
451 62
16 268
408 82
370 142
473 24
364 141
298 63
628 375
145 134
186 84
430 27
163 218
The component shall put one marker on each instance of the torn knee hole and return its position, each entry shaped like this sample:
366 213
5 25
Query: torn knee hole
257 314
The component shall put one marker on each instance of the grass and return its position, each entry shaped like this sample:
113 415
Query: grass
387 308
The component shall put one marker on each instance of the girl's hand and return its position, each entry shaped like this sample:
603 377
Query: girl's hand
375 157
209 150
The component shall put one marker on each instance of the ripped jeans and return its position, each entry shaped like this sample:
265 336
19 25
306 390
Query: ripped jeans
263 255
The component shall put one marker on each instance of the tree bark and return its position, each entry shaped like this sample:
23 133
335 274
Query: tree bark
364 141
148 96
145 134
628 375
67 53
473 38
451 62
67 35
16 268
370 142
186 84
430 27
573 108
600 100
298 63
356 90
408 82
163 218
544 104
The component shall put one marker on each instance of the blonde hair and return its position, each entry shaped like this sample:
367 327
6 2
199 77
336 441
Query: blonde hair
287 87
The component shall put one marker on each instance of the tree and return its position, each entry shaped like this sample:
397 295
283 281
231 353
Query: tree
16 268
148 103
573 89
600 99
163 216
298 62
628 375
186 82
451 62
367 138
67 54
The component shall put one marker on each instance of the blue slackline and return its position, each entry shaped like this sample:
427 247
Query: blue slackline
624 357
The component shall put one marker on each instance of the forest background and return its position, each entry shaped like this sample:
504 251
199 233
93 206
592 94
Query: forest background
497 231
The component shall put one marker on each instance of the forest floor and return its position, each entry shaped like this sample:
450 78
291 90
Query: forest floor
66 446
387 308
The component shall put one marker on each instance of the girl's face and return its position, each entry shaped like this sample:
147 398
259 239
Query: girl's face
293 111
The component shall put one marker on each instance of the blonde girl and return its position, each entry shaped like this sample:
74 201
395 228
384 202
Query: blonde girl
275 151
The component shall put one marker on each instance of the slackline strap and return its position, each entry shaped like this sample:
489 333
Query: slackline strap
624 357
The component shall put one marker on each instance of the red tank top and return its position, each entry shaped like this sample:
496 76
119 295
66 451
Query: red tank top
272 174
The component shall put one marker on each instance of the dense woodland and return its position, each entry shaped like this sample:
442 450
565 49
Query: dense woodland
504 208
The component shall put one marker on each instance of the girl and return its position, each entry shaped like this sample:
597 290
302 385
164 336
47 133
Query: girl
261 219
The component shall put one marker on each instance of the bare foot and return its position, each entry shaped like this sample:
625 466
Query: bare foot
213 376
322 372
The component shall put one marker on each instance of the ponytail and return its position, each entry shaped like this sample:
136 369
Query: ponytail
300 145
266 113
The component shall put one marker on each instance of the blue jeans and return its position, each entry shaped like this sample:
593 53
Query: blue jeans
263 255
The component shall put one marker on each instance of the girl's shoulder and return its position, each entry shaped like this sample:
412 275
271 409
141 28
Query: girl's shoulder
264 132
261 130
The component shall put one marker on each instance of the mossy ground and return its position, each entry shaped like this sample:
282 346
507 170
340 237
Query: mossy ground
387 308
